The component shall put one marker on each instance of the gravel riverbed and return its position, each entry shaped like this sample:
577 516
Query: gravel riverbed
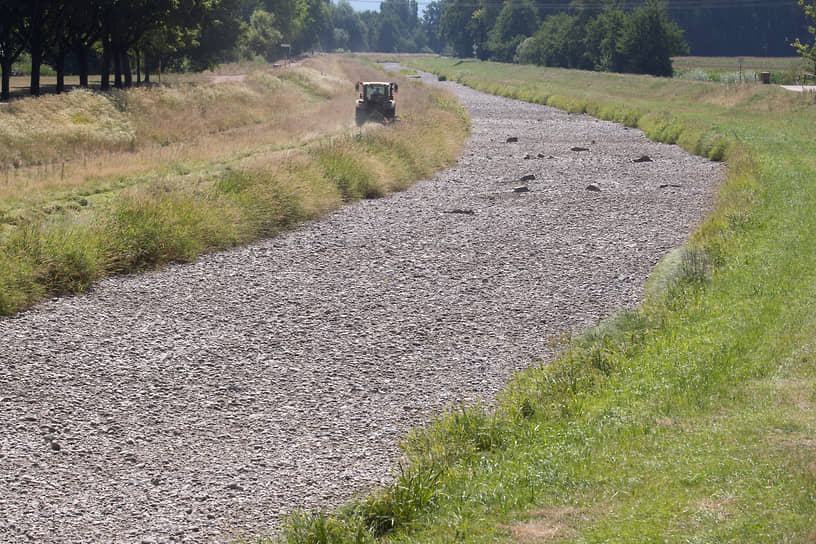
201 402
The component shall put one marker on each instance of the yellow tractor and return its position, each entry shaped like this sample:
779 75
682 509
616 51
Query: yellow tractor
376 102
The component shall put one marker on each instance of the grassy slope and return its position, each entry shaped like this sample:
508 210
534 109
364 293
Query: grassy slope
132 180
690 420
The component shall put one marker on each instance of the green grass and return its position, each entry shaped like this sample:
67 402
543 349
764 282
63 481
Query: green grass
783 70
689 420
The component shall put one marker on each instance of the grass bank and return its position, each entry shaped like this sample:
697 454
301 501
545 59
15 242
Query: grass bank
690 419
98 184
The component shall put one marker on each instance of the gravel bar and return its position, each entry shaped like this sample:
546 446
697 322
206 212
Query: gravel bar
201 402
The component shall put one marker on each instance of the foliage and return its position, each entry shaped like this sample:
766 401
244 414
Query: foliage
808 51
516 21
649 41
740 29
186 35
640 41
262 38
455 26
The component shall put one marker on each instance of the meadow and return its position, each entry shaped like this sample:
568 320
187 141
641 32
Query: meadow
783 70
96 184
689 419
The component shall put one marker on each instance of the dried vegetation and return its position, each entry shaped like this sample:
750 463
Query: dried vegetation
94 184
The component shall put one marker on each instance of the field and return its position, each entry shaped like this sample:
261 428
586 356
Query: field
94 184
689 420
783 70
731 64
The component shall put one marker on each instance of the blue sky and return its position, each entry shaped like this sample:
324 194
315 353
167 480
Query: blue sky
374 5
363 5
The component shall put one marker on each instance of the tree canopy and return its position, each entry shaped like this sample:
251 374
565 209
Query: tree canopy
116 36
808 51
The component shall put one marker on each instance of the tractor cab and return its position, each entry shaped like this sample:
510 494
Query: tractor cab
376 101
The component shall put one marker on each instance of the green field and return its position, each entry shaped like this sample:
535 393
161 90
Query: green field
783 70
689 420
731 64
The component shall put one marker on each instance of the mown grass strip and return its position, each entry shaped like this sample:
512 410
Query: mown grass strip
690 419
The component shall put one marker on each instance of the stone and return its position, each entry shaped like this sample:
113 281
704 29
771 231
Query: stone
593 187
579 149
643 158
521 189
512 139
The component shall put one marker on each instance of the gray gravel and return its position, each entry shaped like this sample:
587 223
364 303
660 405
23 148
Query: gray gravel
202 401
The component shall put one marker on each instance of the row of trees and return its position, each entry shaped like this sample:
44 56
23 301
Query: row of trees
117 32
729 28
615 35
594 34
120 35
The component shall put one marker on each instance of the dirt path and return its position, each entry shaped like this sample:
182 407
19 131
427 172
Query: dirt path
202 401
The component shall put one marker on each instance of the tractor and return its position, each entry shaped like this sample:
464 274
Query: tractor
376 101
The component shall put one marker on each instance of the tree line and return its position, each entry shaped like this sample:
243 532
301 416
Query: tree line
118 34
117 37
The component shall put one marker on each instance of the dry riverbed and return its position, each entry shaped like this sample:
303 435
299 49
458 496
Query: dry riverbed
203 401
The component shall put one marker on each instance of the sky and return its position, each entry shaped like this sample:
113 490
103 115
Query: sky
363 5
374 5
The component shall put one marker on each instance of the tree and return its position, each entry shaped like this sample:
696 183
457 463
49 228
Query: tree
808 51
649 41
216 27
431 24
312 25
456 15
516 21
559 41
344 18
83 30
527 52
13 40
602 41
262 38
40 12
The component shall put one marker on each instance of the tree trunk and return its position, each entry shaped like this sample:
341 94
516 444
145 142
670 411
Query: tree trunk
82 58
61 69
147 62
138 68
126 69
106 58
117 68
5 89
36 57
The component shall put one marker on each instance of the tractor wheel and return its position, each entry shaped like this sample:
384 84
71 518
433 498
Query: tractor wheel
360 117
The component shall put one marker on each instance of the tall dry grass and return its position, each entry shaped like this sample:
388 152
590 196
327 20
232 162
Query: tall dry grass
70 141
208 166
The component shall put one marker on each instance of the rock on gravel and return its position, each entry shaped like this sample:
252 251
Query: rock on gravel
203 401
